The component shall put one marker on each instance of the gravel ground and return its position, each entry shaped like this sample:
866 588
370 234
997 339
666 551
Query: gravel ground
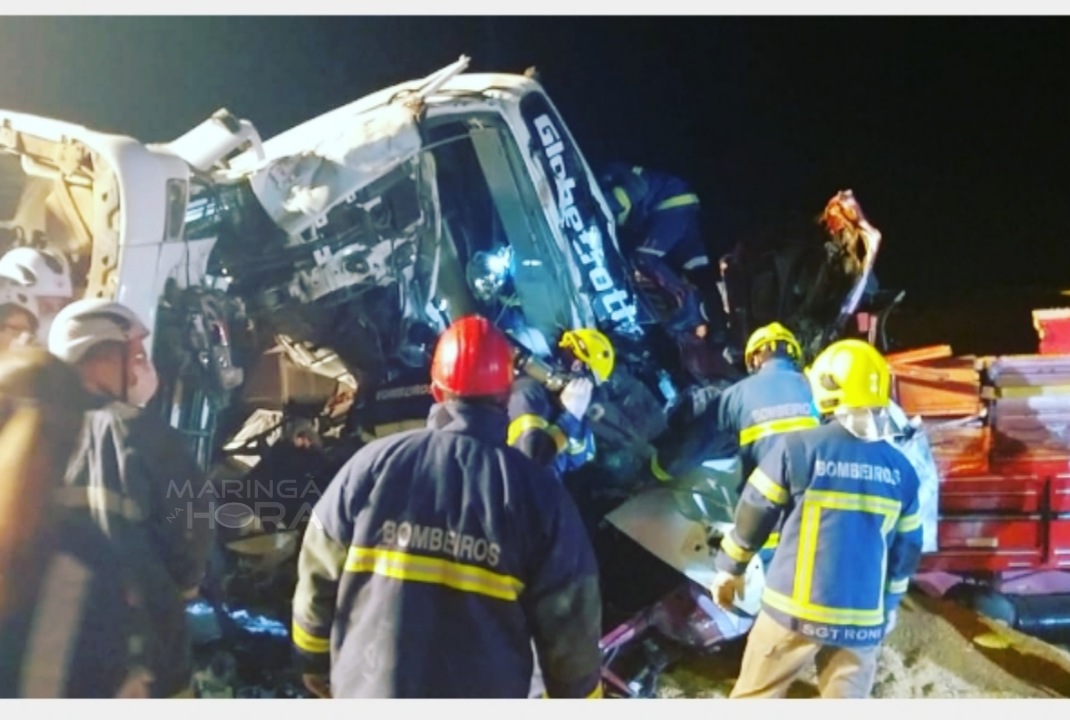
938 650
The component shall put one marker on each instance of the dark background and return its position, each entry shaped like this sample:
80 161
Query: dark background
952 132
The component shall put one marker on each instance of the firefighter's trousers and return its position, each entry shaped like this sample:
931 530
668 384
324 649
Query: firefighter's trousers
775 656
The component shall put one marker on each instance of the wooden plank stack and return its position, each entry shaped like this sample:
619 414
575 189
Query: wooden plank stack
1000 430
946 392
1029 406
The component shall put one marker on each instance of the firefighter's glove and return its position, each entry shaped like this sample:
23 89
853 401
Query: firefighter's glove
890 620
726 587
576 397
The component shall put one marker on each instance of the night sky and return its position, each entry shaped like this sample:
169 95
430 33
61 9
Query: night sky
953 132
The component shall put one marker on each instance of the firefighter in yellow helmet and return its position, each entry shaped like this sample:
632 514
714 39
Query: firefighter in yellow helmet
774 399
850 537
554 430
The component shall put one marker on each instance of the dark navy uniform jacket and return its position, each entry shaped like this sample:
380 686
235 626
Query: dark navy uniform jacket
437 559
850 539
400 402
132 477
774 400
662 218
546 432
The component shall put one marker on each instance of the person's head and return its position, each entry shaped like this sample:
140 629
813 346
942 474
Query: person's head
588 349
105 342
768 341
303 435
850 375
18 317
473 361
45 276
623 186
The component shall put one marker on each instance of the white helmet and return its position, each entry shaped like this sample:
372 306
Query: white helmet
41 272
11 294
86 323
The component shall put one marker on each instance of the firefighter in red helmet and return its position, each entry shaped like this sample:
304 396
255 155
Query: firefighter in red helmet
439 558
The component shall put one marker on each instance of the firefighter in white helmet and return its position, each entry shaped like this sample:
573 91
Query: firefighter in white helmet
43 275
18 316
133 476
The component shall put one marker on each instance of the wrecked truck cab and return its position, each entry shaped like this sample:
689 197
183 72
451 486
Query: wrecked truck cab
348 241
356 237
111 205
396 195
115 208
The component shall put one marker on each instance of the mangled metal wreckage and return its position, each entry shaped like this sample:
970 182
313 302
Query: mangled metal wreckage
348 243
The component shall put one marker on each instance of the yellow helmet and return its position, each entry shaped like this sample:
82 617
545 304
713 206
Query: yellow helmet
770 335
850 374
593 349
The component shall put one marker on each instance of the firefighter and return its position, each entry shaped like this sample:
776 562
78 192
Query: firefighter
658 215
437 558
774 399
132 476
45 276
553 430
850 542
18 317
67 626
400 400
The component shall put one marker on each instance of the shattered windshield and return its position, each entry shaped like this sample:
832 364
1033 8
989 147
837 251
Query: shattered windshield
496 253
455 228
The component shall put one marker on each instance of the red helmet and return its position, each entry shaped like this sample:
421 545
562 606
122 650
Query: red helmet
472 358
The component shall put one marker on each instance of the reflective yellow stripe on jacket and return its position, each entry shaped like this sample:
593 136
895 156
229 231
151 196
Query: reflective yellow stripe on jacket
307 641
625 204
437 571
735 551
767 487
908 523
775 427
677 201
814 503
657 470
742 555
530 421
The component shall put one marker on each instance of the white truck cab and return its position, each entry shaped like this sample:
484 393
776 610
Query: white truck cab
351 240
